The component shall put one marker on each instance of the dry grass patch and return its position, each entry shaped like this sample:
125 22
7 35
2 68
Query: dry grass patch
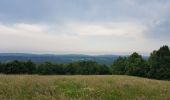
79 87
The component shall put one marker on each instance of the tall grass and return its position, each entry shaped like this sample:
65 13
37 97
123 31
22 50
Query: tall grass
108 87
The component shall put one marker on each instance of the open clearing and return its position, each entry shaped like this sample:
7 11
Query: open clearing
81 87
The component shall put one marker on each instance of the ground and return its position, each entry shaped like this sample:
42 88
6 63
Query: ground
79 87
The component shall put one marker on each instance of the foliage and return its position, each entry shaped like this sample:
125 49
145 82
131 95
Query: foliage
157 66
118 66
48 68
159 63
136 65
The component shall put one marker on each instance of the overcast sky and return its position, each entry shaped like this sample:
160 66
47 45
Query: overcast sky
84 26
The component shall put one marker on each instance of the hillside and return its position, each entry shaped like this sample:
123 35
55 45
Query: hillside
60 59
112 87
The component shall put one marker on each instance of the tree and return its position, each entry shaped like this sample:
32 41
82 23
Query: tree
159 62
58 69
30 66
14 67
70 69
46 68
136 65
1 67
86 68
118 66
104 70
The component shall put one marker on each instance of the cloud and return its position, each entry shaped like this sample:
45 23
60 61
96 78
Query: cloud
117 29
77 36
121 29
159 29
94 25
32 37
23 29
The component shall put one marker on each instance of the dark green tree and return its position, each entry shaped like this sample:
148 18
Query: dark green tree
30 66
15 67
1 68
159 62
136 65
118 66
105 70
46 68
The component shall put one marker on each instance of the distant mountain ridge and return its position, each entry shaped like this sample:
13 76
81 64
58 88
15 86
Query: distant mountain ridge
64 58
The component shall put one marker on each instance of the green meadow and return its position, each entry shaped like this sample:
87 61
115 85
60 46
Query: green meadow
81 87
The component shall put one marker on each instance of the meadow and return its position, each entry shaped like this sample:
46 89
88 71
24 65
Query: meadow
79 87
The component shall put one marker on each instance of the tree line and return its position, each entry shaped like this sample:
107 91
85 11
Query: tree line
48 68
157 66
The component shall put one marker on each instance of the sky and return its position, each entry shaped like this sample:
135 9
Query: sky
84 26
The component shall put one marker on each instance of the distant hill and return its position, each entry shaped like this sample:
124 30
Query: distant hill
40 58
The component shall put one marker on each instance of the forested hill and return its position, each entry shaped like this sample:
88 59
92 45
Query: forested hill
40 58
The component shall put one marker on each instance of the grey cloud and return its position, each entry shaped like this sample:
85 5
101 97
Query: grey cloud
160 30
56 14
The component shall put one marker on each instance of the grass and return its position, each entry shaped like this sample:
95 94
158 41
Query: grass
106 87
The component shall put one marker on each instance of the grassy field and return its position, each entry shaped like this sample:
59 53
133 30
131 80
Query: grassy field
34 87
